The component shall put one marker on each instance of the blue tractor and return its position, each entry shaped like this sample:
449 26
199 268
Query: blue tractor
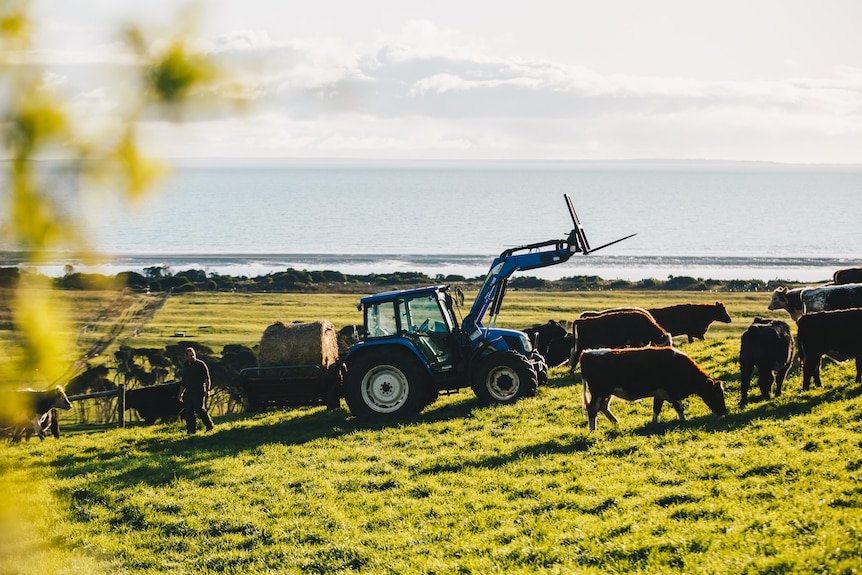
414 347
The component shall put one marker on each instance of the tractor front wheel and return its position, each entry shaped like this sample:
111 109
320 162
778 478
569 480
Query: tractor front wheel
504 377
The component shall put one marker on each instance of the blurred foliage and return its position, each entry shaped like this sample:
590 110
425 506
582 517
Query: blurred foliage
37 125
105 157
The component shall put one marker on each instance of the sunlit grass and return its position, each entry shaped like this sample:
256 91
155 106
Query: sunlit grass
459 488
773 488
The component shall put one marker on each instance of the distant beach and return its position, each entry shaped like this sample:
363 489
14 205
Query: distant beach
629 268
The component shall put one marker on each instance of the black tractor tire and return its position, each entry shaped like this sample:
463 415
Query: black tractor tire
504 377
386 383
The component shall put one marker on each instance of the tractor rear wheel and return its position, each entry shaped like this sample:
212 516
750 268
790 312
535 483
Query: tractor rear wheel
504 377
386 383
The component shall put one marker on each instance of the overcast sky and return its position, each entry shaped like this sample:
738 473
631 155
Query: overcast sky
767 80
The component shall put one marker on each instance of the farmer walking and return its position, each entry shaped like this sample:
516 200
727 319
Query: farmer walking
194 390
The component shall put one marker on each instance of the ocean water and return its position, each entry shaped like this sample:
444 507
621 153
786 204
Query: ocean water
701 219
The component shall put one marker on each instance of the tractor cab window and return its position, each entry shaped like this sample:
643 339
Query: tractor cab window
380 319
422 315
423 323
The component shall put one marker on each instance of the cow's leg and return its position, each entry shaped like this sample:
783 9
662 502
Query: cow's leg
764 381
780 374
677 405
817 381
36 424
605 407
745 369
45 424
657 404
593 412
810 369
814 372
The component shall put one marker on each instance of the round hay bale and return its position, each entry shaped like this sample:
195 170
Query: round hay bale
313 343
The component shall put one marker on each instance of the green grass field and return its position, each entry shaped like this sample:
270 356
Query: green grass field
773 488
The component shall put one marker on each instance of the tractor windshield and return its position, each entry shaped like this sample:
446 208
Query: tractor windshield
418 314
422 314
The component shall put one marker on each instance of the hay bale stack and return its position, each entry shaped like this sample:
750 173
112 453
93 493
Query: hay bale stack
314 343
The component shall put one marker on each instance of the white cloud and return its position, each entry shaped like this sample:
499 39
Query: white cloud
434 91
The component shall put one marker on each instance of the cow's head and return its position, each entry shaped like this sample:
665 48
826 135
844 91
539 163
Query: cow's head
713 396
721 313
779 299
59 399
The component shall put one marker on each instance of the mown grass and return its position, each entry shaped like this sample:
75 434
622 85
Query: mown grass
774 488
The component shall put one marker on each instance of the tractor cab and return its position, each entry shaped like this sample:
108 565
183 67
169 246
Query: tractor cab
422 316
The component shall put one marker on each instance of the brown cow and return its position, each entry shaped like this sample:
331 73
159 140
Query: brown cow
691 319
616 329
837 334
663 373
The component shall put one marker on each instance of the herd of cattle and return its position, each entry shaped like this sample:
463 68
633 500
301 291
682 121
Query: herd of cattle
629 353
625 352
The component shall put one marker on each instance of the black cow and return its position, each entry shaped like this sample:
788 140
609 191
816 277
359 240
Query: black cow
799 301
691 319
663 373
156 402
34 412
847 276
347 336
837 334
768 345
552 340
616 329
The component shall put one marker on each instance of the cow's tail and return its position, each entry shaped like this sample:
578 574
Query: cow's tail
574 356
584 394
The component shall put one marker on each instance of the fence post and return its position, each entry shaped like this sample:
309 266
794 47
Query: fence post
121 405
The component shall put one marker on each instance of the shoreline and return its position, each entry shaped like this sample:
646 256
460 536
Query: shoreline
624 268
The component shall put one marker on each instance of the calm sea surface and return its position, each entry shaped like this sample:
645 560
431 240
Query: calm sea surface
724 221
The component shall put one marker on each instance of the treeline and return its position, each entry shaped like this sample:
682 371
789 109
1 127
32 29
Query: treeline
161 279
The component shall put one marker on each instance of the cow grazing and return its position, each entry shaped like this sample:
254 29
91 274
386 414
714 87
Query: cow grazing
155 402
847 276
552 340
616 329
691 319
663 373
799 301
34 412
768 345
837 334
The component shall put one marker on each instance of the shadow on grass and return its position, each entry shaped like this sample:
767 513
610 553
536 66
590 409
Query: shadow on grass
161 458
755 411
169 453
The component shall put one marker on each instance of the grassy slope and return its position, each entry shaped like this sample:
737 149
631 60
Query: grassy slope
523 488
